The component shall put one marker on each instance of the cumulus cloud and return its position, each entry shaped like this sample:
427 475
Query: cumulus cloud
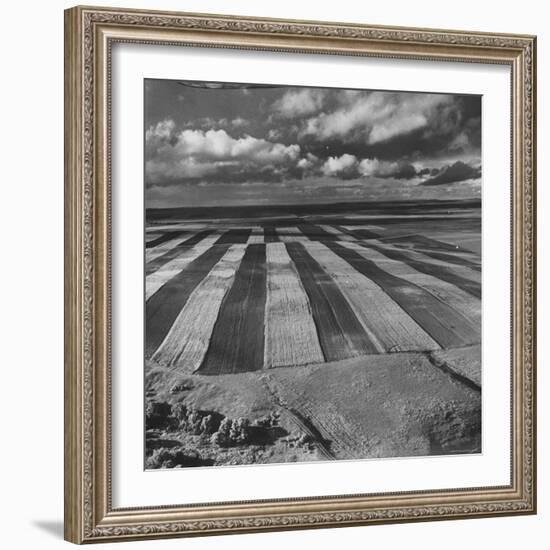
299 103
191 154
386 169
210 123
308 163
346 165
218 144
349 166
459 171
375 116
162 129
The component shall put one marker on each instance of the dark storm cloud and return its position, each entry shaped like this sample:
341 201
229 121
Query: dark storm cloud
259 140
459 171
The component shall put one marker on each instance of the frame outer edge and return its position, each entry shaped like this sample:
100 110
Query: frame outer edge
73 295
531 269
535 274
84 521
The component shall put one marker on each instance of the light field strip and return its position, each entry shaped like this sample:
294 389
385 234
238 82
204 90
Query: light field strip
290 333
188 339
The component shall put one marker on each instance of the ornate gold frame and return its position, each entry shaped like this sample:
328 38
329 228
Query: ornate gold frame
89 34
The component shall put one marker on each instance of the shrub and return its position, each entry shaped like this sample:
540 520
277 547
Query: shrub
240 431
179 387
194 419
208 425
157 414
225 427
180 412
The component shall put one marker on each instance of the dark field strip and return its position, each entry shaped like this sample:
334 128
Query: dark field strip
235 236
157 263
359 233
422 241
164 306
237 341
322 235
435 249
341 335
270 235
444 324
316 233
163 238
195 239
441 272
450 258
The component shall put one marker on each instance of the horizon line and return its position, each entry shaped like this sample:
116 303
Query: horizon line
275 205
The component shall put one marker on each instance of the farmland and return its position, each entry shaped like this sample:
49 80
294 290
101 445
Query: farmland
318 332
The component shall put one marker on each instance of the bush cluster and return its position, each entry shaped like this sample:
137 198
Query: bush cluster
232 432
221 430
172 458
194 421
269 421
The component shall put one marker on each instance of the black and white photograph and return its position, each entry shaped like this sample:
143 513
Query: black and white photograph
312 278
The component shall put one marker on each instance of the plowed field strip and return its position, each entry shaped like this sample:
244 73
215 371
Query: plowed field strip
290 332
235 236
164 306
237 343
429 243
156 263
170 269
443 323
359 234
257 236
450 259
164 238
463 302
428 247
161 249
270 235
390 327
187 340
291 235
434 268
319 233
151 237
340 332
337 234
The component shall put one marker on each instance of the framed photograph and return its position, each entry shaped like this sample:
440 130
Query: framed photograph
300 274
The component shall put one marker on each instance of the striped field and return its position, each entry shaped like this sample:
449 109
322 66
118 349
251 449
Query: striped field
233 297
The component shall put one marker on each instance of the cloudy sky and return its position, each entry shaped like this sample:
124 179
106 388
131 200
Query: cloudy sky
223 144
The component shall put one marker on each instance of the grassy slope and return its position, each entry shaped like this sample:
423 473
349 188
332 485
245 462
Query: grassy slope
369 407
